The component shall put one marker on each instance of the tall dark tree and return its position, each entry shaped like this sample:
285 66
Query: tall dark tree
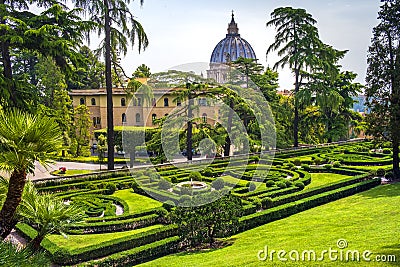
383 79
119 26
296 39
55 33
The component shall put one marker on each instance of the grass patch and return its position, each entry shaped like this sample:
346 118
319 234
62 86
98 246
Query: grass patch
136 202
81 241
72 172
318 179
368 221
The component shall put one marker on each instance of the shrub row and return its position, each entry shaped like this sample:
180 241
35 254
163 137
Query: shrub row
317 190
269 215
63 256
160 211
139 254
114 226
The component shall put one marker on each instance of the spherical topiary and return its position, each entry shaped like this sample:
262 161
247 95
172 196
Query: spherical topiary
208 172
110 188
336 164
174 180
389 175
195 176
380 172
305 167
299 184
281 185
328 166
164 184
168 205
269 183
252 186
267 202
218 183
297 162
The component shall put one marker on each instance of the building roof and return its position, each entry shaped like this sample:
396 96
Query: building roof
232 46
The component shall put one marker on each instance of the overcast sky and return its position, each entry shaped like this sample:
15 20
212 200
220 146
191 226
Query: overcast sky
182 32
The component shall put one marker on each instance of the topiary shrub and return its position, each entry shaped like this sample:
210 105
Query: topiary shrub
164 184
186 191
185 200
380 172
389 175
174 180
281 185
218 183
290 165
110 188
336 164
267 202
168 205
327 166
297 162
135 187
269 183
288 183
154 177
299 184
317 161
195 176
257 203
252 186
208 172
305 167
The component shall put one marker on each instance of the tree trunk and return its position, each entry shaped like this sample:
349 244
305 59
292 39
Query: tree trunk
189 141
132 157
396 169
296 111
228 142
14 196
7 67
34 245
110 113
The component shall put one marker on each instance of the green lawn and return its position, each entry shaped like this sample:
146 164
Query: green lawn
81 241
318 179
367 221
72 172
136 202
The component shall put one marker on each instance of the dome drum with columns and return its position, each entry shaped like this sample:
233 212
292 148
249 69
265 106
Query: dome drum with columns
228 50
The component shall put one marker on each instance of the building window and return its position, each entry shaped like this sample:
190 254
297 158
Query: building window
123 102
154 102
166 104
204 117
153 118
137 117
139 101
94 122
123 118
98 120
134 102
178 103
202 102
93 100
82 101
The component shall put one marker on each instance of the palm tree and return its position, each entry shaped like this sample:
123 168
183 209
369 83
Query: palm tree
107 13
24 139
295 41
12 256
47 214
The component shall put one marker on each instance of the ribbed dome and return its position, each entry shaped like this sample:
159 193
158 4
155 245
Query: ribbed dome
232 46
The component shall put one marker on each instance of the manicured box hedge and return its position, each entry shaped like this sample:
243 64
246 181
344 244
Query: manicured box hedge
138 255
269 215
